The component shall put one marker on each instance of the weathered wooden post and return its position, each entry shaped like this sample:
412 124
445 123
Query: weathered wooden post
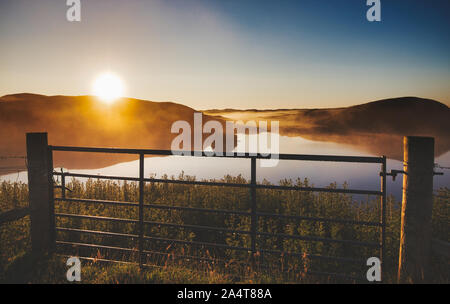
40 185
415 237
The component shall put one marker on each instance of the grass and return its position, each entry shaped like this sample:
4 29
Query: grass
218 265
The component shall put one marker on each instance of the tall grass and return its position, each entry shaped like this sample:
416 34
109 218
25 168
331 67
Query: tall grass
217 264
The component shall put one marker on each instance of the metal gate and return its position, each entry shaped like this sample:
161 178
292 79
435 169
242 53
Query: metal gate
253 213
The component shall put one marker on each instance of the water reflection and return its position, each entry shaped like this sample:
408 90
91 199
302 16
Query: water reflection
321 174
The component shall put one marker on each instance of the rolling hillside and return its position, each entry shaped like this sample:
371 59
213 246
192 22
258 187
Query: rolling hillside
85 121
377 127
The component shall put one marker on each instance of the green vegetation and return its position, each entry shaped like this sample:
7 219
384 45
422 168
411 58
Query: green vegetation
168 263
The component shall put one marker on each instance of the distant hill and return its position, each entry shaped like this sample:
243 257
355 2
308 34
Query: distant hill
405 115
399 115
376 126
85 121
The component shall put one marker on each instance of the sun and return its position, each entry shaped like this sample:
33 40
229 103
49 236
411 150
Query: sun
108 87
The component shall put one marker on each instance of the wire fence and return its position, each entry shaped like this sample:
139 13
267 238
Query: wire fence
437 166
437 193
13 168
12 157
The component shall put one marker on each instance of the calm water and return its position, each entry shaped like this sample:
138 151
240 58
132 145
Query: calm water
358 176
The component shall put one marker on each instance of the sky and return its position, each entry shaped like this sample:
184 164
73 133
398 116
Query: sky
230 53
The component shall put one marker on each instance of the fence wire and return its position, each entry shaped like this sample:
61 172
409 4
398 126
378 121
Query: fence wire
12 157
441 167
13 168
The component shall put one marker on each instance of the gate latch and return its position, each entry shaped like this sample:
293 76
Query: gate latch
393 173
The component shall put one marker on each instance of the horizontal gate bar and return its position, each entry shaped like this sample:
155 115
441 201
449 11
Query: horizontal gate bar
318 219
106 233
313 256
197 209
196 227
219 184
95 246
112 261
121 248
305 238
346 276
97 176
318 239
189 242
127 236
151 238
186 257
183 182
310 256
150 180
300 237
99 260
274 187
312 189
148 252
331 158
262 214
101 218
91 201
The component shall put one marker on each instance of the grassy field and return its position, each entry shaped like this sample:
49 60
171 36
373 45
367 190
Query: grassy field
171 263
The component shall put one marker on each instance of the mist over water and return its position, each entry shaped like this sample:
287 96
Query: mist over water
320 174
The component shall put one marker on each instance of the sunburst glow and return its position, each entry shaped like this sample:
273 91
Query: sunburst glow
108 87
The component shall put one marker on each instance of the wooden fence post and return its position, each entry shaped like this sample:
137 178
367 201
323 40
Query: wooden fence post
415 236
40 185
